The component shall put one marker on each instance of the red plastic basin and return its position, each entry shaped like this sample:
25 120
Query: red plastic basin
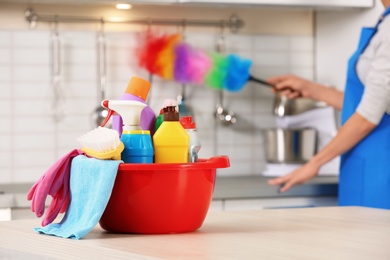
161 198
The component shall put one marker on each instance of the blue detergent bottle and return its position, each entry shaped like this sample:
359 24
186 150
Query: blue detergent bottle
138 142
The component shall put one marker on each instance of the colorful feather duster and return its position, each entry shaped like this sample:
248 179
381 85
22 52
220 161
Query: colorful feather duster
169 58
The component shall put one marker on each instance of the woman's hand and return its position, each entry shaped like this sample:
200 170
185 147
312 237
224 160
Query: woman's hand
299 176
292 86
352 132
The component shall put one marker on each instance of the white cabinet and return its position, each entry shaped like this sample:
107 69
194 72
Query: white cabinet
271 203
295 3
5 214
282 3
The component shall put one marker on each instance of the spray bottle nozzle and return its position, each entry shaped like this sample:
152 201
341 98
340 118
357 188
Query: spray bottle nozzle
129 110
104 104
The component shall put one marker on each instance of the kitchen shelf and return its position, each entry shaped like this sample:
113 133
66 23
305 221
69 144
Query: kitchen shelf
230 193
256 187
240 187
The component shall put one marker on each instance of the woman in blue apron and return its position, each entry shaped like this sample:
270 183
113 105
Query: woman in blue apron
363 140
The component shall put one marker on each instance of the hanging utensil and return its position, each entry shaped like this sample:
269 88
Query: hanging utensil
57 103
184 108
100 113
221 113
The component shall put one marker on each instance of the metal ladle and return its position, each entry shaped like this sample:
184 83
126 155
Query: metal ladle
57 109
223 115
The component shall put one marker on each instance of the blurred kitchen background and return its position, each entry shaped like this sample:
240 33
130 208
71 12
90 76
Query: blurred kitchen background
312 39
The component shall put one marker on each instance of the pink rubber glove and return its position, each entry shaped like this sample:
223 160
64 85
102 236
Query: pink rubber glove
60 199
54 182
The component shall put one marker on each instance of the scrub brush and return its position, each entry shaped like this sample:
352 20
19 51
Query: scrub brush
102 143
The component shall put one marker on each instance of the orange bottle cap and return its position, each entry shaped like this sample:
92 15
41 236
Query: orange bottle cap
138 87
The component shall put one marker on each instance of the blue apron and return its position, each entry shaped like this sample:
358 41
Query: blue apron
365 169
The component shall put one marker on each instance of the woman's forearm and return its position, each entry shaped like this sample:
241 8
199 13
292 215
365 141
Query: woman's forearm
352 132
330 96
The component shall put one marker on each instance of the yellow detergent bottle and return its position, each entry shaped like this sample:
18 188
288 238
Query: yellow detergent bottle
171 139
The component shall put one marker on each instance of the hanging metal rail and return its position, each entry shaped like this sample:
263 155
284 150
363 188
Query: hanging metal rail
234 23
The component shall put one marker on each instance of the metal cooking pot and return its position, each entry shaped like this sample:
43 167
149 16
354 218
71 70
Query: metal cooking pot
284 145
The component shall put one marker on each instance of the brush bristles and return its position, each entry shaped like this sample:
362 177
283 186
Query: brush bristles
100 140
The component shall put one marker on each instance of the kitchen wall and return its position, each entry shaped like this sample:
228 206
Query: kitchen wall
337 35
32 139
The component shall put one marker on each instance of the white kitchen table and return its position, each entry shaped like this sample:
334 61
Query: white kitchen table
304 233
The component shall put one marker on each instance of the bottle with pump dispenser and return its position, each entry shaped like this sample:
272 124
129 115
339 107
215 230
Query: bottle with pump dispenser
138 143
171 140
137 90
194 145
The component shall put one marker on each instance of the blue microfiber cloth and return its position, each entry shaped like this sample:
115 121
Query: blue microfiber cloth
91 183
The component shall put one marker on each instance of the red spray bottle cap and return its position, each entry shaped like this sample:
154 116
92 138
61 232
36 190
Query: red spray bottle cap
187 123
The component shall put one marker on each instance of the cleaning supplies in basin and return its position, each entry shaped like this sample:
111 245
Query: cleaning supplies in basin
54 182
160 117
91 182
100 143
86 183
109 145
137 90
138 143
171 140
194 145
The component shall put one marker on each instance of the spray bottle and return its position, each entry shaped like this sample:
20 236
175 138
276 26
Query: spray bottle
171 140
138 142
194 145
137 90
